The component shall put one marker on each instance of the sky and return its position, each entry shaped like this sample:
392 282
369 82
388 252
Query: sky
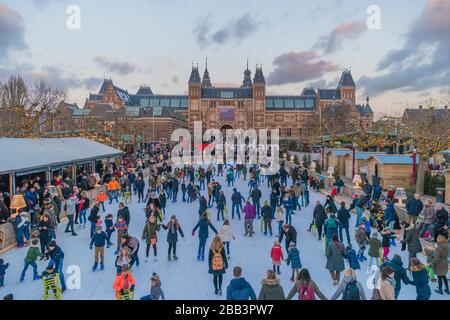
399 57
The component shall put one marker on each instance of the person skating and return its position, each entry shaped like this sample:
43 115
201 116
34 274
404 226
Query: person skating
420 279
124 212
236 199
99 240
361 240
123 259
384 289
221 203
123 283
239 289
330 228
271 288
266 213
93 217
293 259
350 255
203 225
290 235
440 264
109 228
218 263
412 241
256 195
70 207
387 237
226 235
343 216
45 232
132 243
30 260
335 259
173 228
374 251
156 293
279 218
350 288
150 236
396 264
305 287
56 256
320 217
249 217
3 267
276 253
122 228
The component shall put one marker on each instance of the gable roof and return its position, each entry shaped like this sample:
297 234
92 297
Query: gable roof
144 91
395 159
41 153
329 94
346 79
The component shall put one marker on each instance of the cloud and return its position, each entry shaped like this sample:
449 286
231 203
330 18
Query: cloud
422 62
175 79
121 68
293 67
52 75
234 31
12 31
337 37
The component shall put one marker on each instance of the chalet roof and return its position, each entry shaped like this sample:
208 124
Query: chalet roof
395 159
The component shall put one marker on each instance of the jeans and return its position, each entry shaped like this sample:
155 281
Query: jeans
83 216
257 205
174 195
220 212
59 271
289 216
217 280
347 234
202 184
113 195
184 196
92 228
25 268
227 247
280 226
237 206
19 238
267 225
359 212
201 246
103 205
70 224
172 246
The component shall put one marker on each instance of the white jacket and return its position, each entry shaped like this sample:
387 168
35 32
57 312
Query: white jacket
226 234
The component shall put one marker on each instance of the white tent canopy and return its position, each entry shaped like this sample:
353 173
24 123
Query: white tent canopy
17 154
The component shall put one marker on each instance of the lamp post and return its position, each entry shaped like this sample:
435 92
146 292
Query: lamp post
414 171
353 158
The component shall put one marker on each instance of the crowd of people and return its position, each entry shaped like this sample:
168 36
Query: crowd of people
378 228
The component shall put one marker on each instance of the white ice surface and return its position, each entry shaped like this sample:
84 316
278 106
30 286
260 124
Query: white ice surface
187 278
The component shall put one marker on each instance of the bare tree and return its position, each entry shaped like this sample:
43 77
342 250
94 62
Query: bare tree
27 111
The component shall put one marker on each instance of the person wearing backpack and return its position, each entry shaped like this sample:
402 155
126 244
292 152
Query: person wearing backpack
218 263
374 250
349 287
305 287
335 259
271 288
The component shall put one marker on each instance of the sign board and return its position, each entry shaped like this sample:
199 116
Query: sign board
226 113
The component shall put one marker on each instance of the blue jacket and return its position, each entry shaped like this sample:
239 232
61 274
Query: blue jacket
294 258
376 193
400 275
99 239
57 254
240 289
274 199
221 202
420 281
203 225
350 255
414 207
389 213
237 198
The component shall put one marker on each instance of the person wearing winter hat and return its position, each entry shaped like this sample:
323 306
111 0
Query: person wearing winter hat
155 289
374 250
173 228
30 259
293 259
56 256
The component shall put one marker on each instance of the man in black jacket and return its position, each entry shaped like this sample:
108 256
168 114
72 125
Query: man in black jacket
291 236
343 217
124 212
320 217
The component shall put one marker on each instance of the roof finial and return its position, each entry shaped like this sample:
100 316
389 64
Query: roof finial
247 63
206 63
